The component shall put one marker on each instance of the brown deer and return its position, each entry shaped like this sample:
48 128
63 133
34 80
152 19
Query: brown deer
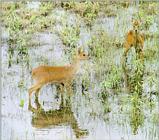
55 74
134 38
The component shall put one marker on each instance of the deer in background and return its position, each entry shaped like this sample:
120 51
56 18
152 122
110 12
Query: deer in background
134 38
55 74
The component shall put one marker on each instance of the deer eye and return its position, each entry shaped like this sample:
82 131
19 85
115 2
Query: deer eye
84 55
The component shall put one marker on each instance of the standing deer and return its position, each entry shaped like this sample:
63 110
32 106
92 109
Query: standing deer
134 38
55 74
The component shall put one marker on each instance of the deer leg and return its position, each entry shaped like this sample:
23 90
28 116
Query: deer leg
74 124
69 88
139 53
124 57
35 87
37 99
60 89
69 92
32 89
62 102
30 93
127 47
141 43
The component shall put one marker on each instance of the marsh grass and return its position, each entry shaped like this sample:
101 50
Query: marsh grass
87 10
101 47
113 80
70 36
22 23
136 114
109 10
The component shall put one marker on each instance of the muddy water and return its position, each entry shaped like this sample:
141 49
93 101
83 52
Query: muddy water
86 112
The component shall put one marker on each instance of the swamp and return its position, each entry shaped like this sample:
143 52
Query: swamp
115 93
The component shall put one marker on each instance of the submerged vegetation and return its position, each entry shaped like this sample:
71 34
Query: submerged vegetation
70 36
123 96
87 10
22 23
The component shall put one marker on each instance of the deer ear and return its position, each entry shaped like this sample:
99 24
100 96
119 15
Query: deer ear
79 50
132 20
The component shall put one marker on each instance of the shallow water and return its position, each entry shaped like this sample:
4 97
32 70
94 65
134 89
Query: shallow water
86 109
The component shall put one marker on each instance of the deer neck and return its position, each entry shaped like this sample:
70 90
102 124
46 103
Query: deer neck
75 65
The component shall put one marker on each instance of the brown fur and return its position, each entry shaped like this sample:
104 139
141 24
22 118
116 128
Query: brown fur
134 39
55 74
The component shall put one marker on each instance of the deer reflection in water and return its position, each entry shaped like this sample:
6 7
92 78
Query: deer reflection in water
64 115
136 114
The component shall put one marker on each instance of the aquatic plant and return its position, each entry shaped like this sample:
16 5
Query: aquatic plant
151 53
149 8
100 52
87 10
103 82
104 98
70 36
22 23
136 114
135 81
99 44
21 103
113 80
108 10
46 7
